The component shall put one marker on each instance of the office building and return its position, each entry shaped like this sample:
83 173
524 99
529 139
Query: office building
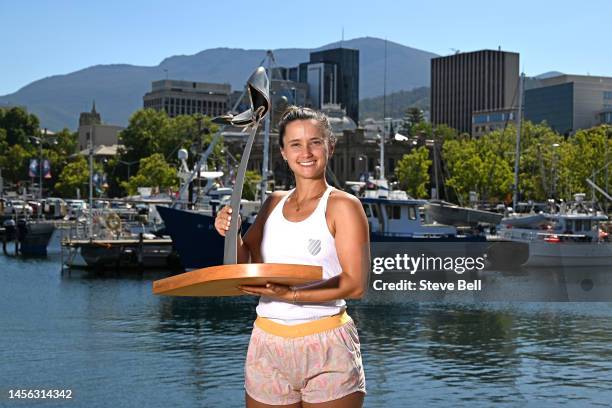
464 83
333 78
568 103
487 121
187 98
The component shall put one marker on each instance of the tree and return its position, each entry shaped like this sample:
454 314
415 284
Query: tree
413 117
14 163
75 175
412 172
19 124
154 171
153 132
251 180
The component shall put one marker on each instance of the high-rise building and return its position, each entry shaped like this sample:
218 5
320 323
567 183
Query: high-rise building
187 98
333 78
464 83
569 102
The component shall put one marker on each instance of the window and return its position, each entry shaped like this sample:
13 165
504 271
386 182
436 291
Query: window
375 211
578 225
412 213
394 212
366 209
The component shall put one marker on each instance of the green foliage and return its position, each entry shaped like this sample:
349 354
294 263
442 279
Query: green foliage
154 171
153 132
412 172
19 124
550 165
14 163
75 175
411 119
251 180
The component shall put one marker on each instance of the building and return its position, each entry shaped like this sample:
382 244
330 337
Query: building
486 121
568 103
284 93
356 153
90 123
186 97
465 83
333 78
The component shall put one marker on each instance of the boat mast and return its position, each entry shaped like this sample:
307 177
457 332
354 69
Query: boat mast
384 133
90 213
517 155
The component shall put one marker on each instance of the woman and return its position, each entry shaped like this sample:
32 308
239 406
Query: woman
304 349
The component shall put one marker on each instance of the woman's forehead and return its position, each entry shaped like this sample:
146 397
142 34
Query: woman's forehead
299 129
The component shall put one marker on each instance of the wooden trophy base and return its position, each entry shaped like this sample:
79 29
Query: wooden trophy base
223 280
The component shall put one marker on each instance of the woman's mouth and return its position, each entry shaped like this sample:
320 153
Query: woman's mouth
307 163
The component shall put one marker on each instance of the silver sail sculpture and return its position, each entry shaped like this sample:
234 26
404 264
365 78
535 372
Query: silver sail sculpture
258 91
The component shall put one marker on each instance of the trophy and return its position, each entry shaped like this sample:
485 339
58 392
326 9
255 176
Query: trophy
223 280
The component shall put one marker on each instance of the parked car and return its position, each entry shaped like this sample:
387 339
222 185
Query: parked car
76 208
18 207
55 207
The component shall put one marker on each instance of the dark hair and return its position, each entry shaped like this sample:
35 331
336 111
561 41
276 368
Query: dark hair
293 113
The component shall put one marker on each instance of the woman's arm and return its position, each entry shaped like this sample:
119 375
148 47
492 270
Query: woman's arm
353 249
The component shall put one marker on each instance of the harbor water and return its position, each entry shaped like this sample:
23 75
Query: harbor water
112 343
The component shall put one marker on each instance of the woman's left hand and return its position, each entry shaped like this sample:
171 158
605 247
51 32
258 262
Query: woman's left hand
272 290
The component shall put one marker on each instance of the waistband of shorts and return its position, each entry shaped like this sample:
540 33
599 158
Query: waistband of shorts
302 329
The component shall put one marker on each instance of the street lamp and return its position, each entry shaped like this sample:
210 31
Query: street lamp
554 176
432 143
40 141
364 158
129 165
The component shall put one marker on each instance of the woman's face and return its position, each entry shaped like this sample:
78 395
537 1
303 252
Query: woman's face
306 149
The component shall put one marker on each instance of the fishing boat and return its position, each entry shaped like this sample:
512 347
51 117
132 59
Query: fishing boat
452 214
573 236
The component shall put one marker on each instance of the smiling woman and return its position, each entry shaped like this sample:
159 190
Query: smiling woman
304 349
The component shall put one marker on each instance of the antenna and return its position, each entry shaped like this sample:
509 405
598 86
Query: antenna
342 41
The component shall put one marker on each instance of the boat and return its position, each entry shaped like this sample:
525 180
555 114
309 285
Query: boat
142 252
573 236
452 214
398 219
31 237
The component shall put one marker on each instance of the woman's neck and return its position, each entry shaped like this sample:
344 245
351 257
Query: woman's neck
305 189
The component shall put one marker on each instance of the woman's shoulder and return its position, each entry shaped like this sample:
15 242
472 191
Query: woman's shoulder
341 201
274 198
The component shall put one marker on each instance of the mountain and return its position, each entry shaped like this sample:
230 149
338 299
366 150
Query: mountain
118 88
396 105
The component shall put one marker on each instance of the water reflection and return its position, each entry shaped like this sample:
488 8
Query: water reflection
114 343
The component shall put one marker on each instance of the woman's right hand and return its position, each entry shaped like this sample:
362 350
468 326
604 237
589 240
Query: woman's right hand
222 221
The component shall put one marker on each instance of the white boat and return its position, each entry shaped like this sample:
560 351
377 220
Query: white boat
572 237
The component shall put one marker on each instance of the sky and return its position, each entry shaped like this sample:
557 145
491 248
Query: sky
44 38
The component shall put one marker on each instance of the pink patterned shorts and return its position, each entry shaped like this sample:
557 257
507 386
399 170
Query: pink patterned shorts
314 368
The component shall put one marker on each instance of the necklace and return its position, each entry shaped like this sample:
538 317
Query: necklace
297 203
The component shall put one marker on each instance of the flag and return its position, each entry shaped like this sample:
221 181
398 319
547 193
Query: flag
46 169
33 168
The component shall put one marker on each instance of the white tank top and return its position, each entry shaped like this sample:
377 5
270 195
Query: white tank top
306 242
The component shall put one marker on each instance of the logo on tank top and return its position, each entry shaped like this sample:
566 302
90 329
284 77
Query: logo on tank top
314 246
